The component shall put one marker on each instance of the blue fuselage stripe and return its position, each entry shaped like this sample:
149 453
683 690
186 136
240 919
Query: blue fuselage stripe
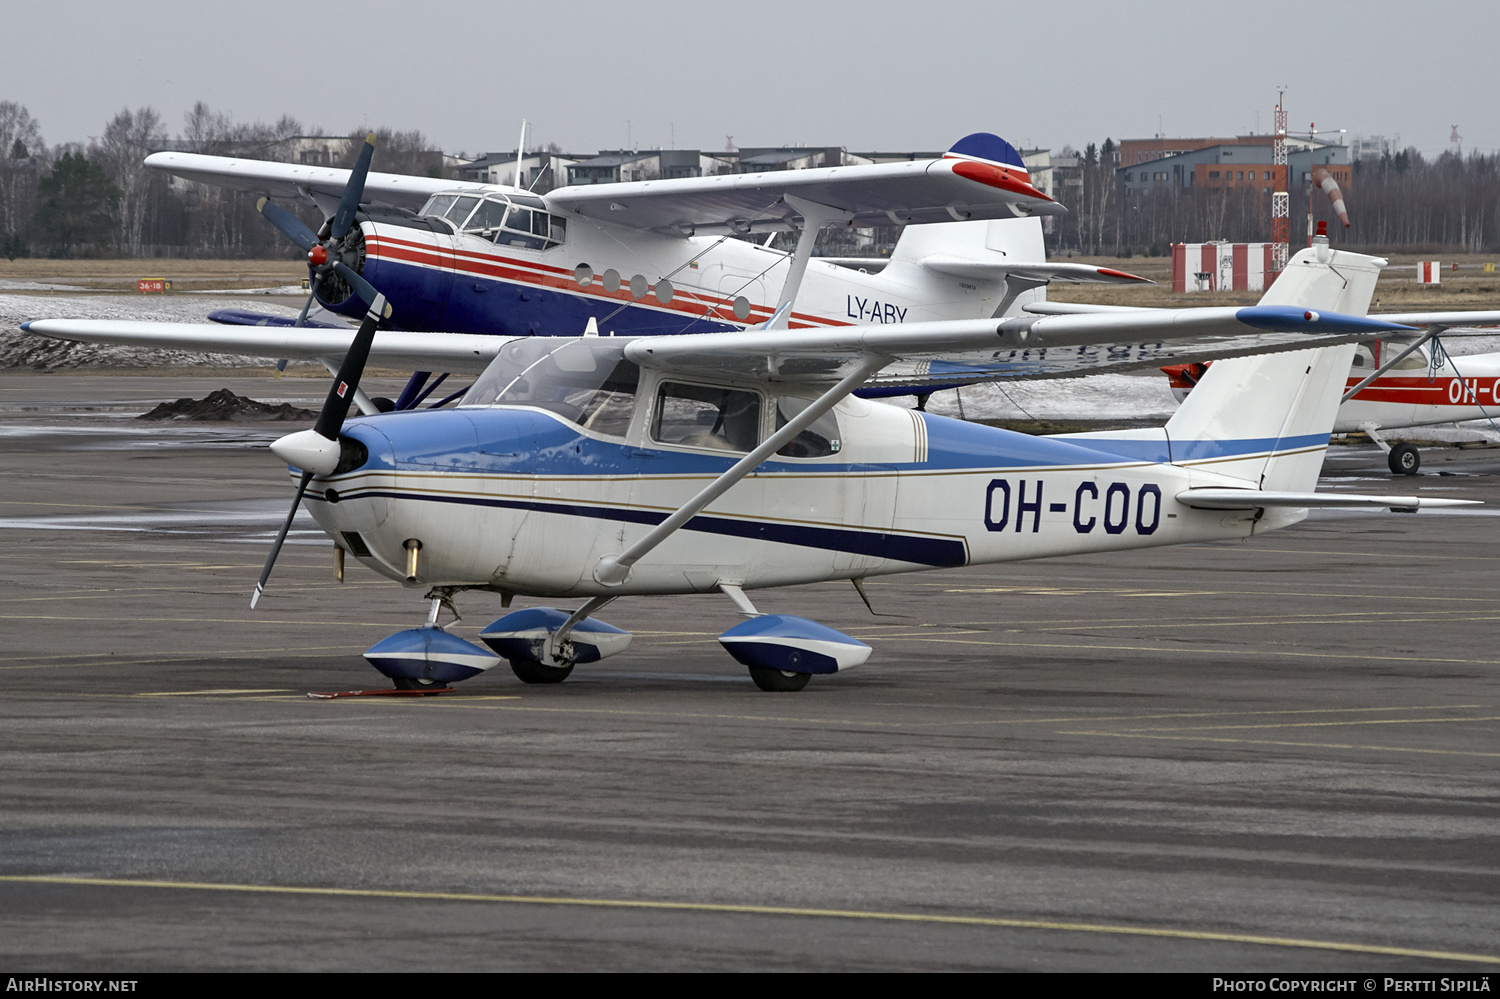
936 552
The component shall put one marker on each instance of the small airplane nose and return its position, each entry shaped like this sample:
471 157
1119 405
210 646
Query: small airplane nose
309 451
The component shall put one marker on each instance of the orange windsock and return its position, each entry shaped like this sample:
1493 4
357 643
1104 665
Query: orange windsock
1330 187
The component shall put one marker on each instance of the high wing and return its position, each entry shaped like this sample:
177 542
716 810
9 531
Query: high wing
1445 320
938 353
914 354
323 185
456 352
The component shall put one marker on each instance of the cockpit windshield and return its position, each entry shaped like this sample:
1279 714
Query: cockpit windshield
514 220
586 382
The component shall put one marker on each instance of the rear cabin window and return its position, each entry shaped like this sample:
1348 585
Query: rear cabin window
818 441
723 419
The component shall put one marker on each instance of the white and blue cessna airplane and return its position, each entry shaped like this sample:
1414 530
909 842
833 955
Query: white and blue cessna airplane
586 469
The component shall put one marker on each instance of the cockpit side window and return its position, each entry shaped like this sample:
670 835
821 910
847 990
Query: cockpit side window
724 419
488 215
460 210
438 204
818 441
1416 359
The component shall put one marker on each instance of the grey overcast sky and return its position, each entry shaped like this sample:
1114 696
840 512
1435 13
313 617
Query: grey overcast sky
881 74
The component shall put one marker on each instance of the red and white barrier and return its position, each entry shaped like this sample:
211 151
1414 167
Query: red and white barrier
1220 266
1429 272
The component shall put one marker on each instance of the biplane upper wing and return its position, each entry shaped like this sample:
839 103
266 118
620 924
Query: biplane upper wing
286 180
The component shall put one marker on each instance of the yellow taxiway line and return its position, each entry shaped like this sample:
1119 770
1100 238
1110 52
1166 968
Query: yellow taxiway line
776 910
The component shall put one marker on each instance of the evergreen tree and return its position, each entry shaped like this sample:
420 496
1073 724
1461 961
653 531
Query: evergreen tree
78 206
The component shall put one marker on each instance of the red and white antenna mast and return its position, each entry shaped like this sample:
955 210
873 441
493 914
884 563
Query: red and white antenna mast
1281 208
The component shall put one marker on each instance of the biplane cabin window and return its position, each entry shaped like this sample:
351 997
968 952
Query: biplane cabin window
1363 358
819 440
723 419
460 211
589 384
515 220
487 217
438 204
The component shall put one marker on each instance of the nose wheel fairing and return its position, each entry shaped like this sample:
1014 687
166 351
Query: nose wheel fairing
429 655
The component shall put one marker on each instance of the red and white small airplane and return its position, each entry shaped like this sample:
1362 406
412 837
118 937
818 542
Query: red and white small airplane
1402 382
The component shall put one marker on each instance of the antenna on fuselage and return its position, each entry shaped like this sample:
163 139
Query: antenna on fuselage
520 153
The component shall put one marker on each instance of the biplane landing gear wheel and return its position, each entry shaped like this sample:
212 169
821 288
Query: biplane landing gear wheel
412 683
778 679
531 671
1404 460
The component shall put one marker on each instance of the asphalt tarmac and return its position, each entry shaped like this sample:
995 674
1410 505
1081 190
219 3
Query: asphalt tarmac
1276 756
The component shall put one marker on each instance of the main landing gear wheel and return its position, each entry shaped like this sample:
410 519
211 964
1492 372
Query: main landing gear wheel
531 671
778 679
1404 460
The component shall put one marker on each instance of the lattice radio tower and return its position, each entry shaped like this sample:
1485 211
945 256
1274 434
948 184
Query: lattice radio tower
1281 208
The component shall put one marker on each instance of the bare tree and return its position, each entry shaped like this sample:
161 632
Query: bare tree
128 138
23 156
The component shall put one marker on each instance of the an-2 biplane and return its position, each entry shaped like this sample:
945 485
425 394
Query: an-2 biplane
586 469
655 257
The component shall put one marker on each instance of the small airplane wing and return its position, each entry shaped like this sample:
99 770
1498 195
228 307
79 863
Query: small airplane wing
285 180
941 353
918 354
457 352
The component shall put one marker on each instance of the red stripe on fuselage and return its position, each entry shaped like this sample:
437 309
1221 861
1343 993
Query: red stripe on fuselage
1419 391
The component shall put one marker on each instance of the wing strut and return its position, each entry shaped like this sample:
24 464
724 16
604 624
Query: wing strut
612 570
814 218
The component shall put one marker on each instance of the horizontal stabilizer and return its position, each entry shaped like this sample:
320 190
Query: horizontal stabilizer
1251 499
991 270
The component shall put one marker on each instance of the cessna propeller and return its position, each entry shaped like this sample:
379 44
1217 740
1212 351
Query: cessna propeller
320 450
330 256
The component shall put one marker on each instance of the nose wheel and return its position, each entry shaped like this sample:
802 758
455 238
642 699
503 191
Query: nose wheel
772 680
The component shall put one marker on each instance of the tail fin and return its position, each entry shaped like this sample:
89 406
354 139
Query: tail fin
1267 419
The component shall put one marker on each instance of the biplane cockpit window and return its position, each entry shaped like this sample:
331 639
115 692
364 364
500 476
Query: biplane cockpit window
587 383
460 210
514 220
488 215
438 204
